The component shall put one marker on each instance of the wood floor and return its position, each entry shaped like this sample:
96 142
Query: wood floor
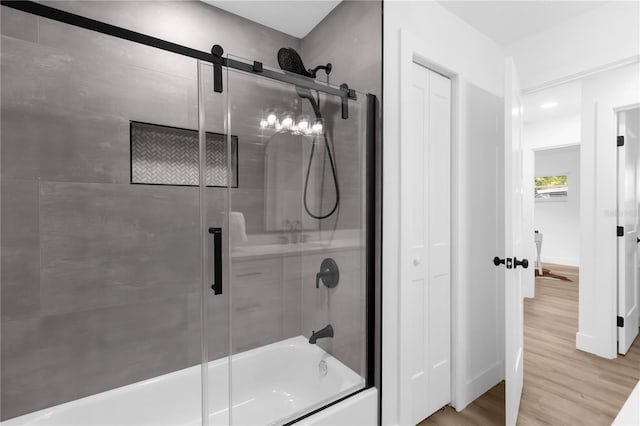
562 386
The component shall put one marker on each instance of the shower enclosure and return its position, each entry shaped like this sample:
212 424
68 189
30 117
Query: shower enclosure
161 259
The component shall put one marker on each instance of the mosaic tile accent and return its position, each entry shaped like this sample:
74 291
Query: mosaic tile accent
162 155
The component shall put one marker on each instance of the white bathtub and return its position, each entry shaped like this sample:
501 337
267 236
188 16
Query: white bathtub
271 385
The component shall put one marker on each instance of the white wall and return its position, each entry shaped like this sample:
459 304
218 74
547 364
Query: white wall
554 133
448 44
601 93
559 221
604 35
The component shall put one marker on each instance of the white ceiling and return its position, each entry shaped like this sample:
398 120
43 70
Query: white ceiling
294 17
508 21
567 95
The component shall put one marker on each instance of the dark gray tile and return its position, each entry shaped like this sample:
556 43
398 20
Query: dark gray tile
58 358
104 245
46 77
350 37
19 25
64 147
343 306
251 164
19 147
88 44
20 249
292 296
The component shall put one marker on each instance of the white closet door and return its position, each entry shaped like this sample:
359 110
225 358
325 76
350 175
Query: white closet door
426 236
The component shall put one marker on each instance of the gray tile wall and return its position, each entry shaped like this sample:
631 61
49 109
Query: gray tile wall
100 279
350 37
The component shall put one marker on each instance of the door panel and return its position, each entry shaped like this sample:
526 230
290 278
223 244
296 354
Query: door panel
298 211
628 125
514 244
215 246
426 230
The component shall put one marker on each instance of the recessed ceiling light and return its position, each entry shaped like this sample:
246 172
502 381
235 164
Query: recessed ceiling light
550 104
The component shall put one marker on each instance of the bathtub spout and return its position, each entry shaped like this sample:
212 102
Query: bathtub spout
325 332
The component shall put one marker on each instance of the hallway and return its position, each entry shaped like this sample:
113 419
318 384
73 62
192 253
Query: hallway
561 384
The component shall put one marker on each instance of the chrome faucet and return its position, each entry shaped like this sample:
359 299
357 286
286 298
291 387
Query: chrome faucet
320 334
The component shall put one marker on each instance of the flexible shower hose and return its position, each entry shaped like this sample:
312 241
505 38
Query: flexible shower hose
333 172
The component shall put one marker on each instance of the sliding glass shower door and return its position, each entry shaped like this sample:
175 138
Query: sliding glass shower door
100 240
174 254
286 334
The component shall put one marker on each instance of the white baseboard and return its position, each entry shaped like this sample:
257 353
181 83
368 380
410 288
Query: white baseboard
480 384
588 343
585 342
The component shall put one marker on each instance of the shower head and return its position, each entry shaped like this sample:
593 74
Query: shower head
290 60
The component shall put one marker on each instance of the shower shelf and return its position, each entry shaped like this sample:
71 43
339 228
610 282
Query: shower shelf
163 155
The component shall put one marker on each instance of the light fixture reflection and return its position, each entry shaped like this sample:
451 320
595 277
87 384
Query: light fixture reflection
303 123
287 122
550 104
301 126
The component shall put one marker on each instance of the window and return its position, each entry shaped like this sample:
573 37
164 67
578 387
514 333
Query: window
548 188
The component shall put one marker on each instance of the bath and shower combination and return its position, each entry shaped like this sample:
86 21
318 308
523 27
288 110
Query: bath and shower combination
124 260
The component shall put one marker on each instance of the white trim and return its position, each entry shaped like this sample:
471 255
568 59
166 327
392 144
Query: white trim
547 148
587 343
483 381
626 107
582 74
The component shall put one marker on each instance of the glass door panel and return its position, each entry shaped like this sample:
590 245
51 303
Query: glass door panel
297 260
101 285
218 154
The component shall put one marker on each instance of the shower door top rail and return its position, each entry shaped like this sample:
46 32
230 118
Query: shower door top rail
215 57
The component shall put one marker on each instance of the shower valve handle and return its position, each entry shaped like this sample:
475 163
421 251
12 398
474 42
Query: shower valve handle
329 273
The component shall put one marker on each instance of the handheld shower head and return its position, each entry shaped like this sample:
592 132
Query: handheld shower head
306 94
289 60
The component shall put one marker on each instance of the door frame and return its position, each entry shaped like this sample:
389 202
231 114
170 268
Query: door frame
617 111
597 330
410 53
